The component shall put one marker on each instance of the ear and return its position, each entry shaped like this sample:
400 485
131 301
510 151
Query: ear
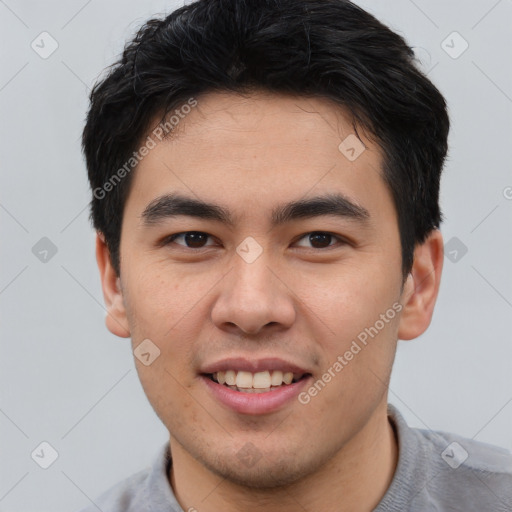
116 320
421 287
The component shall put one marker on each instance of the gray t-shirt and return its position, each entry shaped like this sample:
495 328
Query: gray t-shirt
436 471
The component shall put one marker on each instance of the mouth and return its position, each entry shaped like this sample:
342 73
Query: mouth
259 382
254 386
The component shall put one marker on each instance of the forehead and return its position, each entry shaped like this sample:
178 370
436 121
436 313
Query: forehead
263 120
253 149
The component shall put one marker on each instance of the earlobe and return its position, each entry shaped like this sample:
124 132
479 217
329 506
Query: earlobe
421 287
116 320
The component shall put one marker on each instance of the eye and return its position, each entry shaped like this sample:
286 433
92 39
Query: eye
199 240
190 239
319 240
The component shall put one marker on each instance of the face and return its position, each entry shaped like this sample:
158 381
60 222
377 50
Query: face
289 264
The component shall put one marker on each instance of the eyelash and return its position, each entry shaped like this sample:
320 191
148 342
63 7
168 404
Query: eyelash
170 239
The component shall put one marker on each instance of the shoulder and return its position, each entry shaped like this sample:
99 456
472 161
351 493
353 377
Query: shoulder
123 496
148 489
465 474
442 472
457 451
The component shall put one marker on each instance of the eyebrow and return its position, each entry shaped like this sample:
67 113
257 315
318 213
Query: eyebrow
173 205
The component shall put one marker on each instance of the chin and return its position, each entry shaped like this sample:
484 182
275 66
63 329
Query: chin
263 474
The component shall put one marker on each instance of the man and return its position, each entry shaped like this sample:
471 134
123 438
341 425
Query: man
265 181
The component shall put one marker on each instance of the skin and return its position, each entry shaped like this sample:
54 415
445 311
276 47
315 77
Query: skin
296 301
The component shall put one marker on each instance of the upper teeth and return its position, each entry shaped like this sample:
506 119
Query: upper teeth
259 380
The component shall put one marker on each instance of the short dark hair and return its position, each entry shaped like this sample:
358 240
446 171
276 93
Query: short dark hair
315 48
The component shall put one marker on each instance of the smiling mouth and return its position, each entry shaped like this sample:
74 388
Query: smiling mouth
260 382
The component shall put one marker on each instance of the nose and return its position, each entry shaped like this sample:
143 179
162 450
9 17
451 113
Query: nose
253 298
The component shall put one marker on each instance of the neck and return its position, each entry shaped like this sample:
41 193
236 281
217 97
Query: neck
355 479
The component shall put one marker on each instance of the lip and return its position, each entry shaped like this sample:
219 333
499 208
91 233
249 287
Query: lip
253 366
255 403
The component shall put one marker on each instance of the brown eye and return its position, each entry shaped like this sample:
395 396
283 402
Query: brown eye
318 240
191 239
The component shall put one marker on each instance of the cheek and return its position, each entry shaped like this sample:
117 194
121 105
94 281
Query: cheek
357 345
162 299
345 301
167 310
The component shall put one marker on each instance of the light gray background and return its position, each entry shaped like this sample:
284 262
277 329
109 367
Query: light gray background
66 380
